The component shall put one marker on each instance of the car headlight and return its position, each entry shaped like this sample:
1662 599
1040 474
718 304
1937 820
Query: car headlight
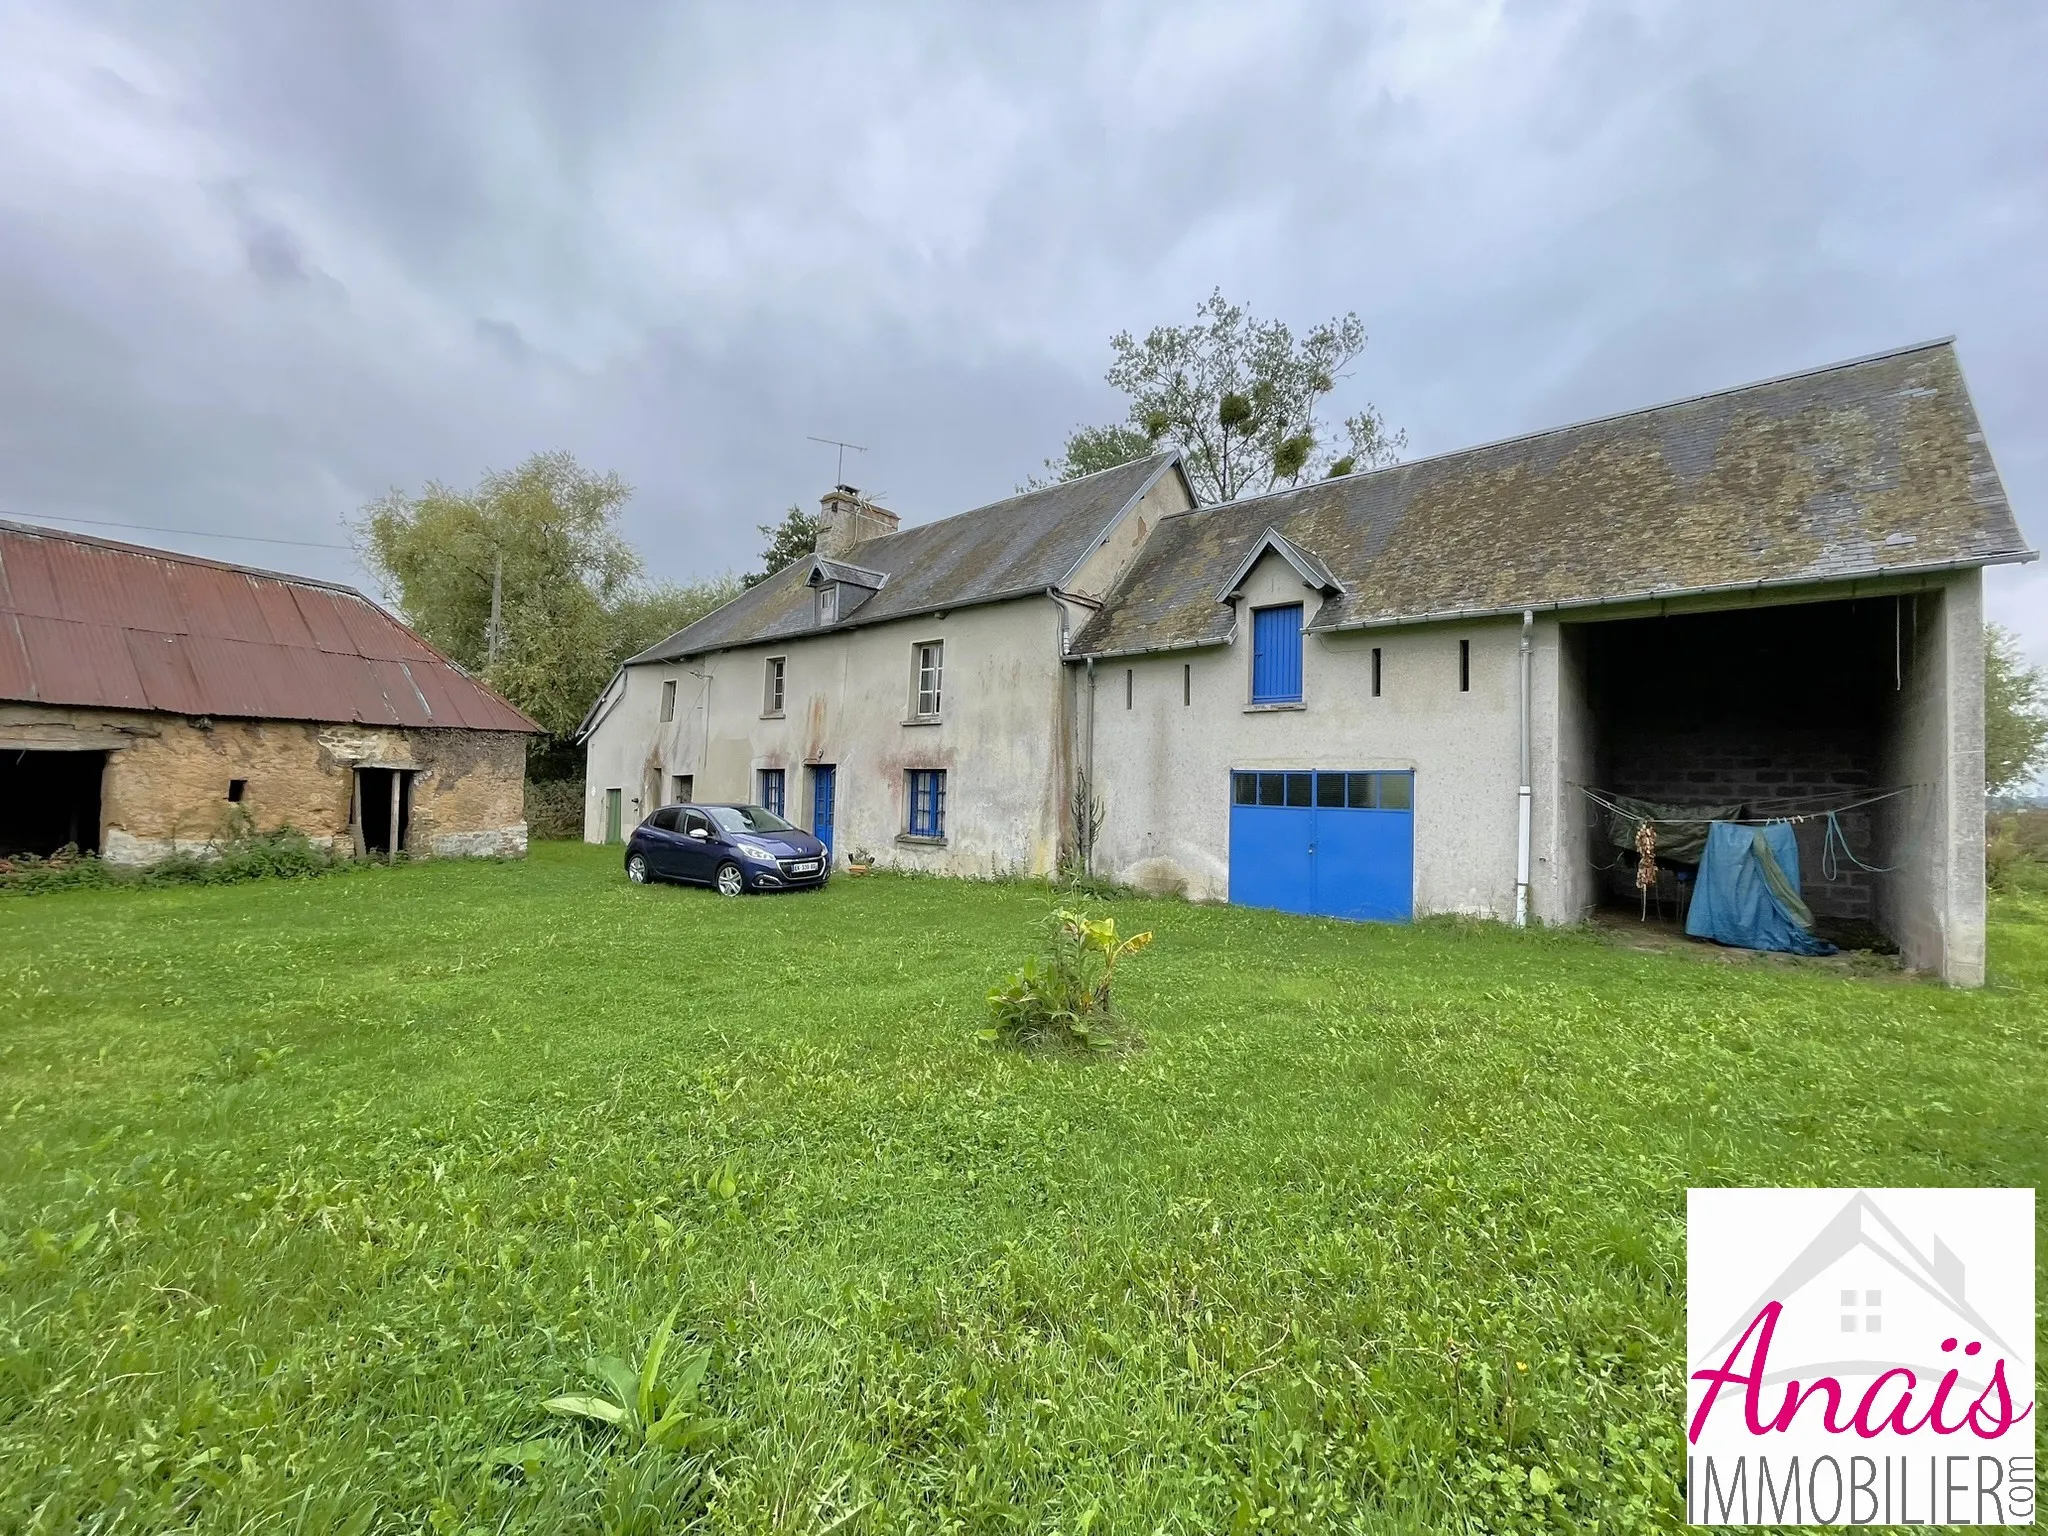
755 851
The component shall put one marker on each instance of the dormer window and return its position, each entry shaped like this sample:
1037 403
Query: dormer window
840 588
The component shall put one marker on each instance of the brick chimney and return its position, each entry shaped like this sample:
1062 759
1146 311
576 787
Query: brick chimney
845 518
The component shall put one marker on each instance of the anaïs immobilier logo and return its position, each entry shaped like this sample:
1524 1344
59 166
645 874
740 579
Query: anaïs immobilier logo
1860 1357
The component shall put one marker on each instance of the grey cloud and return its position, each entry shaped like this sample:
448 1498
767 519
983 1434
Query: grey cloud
678 241
275 255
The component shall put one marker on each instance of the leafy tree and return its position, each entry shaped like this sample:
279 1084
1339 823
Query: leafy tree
1093 448
1242 397
2015 714
572 600
645 614
791 539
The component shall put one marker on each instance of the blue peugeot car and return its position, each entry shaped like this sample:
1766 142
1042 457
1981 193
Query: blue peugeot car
731 848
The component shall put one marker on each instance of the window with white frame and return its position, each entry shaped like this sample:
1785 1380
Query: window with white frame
828 603
771 692
668 701
930 660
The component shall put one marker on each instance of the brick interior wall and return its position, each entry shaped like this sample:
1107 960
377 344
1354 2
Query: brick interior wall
1766 707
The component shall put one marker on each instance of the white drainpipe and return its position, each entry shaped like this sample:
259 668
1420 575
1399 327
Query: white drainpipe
1088 779
1522 830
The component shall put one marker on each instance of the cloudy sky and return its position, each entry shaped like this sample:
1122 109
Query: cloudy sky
260 263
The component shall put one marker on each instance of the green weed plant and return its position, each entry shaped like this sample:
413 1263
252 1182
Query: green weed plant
1061 998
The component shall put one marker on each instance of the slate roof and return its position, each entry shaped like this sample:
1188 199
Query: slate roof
1010 548
90 623
1861 469
839 570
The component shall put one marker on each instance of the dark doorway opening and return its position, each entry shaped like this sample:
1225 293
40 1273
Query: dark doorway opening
375 787
1784 711
50 801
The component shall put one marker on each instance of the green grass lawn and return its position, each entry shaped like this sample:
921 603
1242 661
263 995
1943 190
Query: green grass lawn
311 1193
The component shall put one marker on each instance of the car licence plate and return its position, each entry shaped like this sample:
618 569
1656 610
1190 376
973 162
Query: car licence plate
804 867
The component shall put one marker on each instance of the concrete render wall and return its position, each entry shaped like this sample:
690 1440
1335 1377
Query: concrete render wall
849 701
1113 553
165 785
1566 821
1162 766
1934 905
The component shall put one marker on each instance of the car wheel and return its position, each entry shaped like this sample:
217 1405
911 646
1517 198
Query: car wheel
730 881
636 869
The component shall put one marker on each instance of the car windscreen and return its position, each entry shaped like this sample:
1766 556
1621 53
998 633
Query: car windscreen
747 818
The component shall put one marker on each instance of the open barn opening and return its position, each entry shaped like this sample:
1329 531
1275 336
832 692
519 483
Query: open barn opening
384 809
1796 713
49 801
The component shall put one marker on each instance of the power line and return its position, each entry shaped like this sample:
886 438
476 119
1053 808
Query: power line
193 533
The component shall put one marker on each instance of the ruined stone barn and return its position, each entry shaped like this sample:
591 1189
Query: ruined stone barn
154 703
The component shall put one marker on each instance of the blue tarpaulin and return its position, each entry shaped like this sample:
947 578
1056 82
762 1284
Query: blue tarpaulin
1747 893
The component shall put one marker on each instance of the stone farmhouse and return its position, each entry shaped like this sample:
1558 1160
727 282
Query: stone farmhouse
1391 693
153 703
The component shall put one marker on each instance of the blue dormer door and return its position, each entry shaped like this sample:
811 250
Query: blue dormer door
824 788
1276 655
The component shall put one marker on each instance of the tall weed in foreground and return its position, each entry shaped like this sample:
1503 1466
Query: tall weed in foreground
1061 997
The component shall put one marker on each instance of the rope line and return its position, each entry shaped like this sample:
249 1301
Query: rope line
1836 856
1750 821
1834 848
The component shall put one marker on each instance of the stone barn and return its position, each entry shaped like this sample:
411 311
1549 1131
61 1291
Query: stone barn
154 703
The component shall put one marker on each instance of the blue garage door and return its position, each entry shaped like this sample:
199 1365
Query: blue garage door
1335 843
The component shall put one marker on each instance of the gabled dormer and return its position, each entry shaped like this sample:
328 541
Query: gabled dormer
838 589
1314 574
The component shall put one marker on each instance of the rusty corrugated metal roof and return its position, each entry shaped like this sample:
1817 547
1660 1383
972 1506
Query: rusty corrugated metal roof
90 623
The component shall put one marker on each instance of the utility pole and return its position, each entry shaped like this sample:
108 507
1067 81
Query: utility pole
497 607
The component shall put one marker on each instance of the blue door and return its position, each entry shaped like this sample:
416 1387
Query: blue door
1339 844
1365 846
1272 833
823 789
1276 655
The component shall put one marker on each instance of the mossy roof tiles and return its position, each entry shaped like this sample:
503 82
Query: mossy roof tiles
1860 469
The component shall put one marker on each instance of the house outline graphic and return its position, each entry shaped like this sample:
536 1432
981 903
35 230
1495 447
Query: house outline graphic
1862 1224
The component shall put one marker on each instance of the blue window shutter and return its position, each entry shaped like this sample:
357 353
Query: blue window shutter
1276 655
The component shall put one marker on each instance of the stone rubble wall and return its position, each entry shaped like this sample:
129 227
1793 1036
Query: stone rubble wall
165 786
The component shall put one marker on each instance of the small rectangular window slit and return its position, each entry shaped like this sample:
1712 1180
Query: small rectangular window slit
236 789
1187 682
1129 686
1464 666
1375 671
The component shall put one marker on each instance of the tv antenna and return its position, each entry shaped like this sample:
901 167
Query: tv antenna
833 442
